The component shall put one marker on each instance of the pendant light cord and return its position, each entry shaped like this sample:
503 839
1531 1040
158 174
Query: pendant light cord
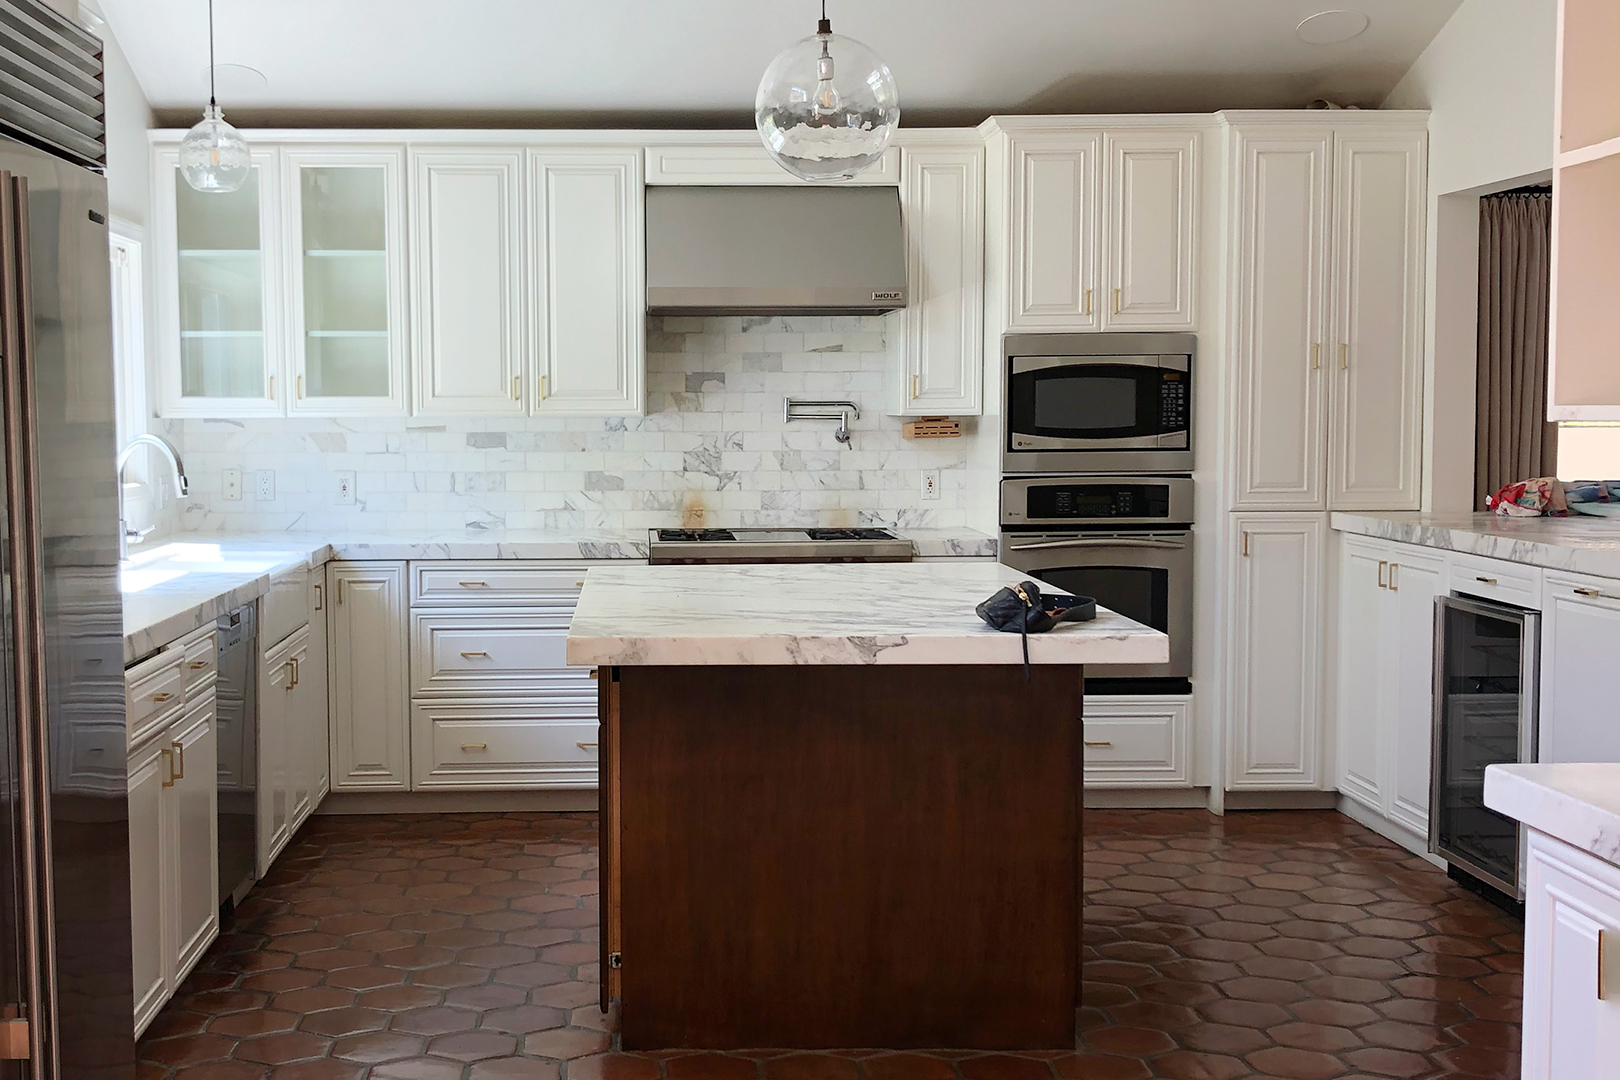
211 100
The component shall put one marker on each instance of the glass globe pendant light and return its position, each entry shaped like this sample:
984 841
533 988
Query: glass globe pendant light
213 156
827 106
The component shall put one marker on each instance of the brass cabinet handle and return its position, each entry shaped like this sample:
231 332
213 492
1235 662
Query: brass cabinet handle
1098 742
1394 577
587 746
542 388
272 394
1591 593
168 756
320 596
592 673
1602 966
516 396
470 655
579 584
180 759
1245 543
1383 568
1316 356
161 698
469 746
1344 357
475 584
197 665
1485 580
1087 311
1116 301
300 387
915 379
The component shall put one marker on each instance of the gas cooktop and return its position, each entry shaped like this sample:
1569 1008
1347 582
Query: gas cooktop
776 545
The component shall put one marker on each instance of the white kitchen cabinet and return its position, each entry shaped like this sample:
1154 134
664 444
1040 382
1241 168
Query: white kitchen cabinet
218 291
1274 645
346 279
942 210
1325 298
1376 423
1054 212
1385 676
1571 964
740 158
587 276
1278 275
192 830
1137 741
466 245
314 693
277 750
367 675
1580 642
1151 213
148 884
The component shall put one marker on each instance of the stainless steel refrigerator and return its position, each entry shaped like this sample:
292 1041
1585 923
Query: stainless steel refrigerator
65 981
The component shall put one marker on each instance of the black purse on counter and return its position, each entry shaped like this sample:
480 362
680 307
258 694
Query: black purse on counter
1022 609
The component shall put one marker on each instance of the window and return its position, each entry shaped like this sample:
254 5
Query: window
128 337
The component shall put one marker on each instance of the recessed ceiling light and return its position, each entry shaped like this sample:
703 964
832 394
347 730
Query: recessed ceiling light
232 80
1332 27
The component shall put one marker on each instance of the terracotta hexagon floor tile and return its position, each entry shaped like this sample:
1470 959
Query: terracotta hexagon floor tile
711 1067
281 1048
258 1022
833 1067
513 1068
378 1046
335 1023
907 1066
435 1020
613 1067
420 1068
472 1045
566 1043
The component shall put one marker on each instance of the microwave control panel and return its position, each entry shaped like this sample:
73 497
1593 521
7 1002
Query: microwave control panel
1173 401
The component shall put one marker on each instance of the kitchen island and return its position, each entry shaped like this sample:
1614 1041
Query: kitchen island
836 812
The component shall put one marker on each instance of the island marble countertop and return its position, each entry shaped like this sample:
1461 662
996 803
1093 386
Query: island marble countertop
850 613
1580 544
188 580
1577 803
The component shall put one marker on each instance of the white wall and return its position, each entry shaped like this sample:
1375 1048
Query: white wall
1487 79
128 117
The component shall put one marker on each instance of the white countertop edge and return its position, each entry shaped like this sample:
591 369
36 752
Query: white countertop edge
1578 803
1576 544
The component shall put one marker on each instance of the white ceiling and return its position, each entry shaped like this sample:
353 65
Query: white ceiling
698 62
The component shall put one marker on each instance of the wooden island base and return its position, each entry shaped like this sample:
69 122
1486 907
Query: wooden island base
842 856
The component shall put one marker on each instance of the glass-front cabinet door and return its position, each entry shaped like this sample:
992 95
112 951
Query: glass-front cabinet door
217 275
346 287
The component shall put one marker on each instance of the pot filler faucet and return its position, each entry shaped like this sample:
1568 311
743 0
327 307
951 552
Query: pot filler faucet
182 486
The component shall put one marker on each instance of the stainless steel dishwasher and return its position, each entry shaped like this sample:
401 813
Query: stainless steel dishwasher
237 725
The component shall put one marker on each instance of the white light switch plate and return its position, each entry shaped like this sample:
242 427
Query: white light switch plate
231 488
264 483
345 488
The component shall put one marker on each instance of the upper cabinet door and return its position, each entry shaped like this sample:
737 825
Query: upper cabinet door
1152 210
346 279
942 205
219 306
587 271
1277 311
1052 271
466 281
1377 355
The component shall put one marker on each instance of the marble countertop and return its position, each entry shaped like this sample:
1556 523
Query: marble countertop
852 613
187 581
1580 544
1576 803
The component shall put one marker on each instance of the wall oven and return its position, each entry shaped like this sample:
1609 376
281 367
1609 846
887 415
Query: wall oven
1092 403
1487 659
1126 540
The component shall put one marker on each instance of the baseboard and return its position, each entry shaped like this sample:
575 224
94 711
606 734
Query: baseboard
455 802
1146 798
1362 814
1282 800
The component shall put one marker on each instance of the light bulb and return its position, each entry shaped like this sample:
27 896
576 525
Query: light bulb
826 98
213 156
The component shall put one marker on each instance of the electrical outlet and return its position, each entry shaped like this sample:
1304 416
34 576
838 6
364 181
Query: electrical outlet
231 489
264 482
930 484
345 488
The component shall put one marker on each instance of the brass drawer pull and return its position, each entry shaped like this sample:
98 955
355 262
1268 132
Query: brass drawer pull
197 665
320 597
1594 594
1485 580
168 756
475 584
1088 303
1383 571
470 655
587 746
161 698
468 746
180 760
1099 743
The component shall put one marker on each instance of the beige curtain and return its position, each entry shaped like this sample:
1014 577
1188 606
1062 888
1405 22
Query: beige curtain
1512 438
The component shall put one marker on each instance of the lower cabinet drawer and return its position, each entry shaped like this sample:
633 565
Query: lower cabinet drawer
152 690
533 745
471 655
1137 741
1495 579
502 583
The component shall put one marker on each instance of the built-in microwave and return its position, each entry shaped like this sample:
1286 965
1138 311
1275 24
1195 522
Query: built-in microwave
1097 403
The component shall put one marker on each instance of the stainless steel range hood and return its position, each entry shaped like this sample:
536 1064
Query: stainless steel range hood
766 250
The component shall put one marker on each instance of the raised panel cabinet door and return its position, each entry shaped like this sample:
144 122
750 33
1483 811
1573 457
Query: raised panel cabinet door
314 689
1362 699
370 713
218 299
1052 276
466 281
1571 997
346 279
1416 577
149 879
942 207
1152 228
300 729
1274 676
587 271
194 817
1377 363
1580 639
1278 309
275 747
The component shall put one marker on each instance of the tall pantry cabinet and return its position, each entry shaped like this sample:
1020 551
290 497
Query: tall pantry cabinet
1324 357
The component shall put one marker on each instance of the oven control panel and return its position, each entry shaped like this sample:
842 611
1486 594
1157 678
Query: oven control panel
1120 500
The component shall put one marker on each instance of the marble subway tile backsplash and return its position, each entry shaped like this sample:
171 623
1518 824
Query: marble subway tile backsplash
712 449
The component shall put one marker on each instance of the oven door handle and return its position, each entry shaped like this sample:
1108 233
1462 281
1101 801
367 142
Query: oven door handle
1097 542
